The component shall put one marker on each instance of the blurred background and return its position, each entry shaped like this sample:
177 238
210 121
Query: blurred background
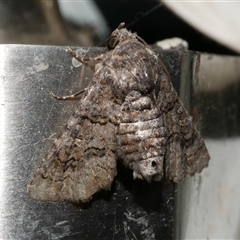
212 27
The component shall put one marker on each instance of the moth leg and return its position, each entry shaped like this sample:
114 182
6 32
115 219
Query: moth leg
69 97
85 60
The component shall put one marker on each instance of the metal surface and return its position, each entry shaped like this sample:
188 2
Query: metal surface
30 119
133 209
207 205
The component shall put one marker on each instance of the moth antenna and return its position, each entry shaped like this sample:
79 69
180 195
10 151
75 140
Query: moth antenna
144 15
141 40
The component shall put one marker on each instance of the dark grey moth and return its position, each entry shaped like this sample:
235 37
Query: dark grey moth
130 113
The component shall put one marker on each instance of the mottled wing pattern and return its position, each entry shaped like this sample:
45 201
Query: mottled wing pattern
81 161
130 112
186 152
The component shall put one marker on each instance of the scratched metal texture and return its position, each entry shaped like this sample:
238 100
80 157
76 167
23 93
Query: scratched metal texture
30 119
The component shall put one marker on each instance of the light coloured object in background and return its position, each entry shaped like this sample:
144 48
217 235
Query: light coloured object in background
217 20
172 44
85 13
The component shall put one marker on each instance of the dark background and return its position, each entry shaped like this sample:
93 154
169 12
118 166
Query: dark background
157 25
42 23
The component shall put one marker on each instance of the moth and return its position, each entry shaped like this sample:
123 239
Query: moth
131 113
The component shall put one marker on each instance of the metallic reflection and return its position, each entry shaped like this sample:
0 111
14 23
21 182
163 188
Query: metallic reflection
30 119
2 126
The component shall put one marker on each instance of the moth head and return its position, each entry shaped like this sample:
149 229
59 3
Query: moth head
120 35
